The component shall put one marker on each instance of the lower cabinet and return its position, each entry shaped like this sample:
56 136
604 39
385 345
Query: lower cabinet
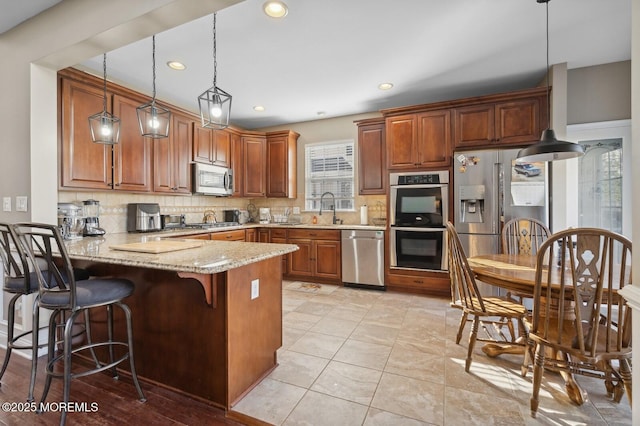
319 256
279 236
235 235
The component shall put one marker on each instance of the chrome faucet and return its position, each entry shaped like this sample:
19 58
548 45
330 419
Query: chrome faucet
333 206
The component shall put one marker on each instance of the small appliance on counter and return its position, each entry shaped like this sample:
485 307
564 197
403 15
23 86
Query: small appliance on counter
265 215
230 215
70 220
172 221
143 217
91 219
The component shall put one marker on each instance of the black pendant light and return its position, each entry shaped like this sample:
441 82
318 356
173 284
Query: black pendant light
549 148
105 127
153 119
215 103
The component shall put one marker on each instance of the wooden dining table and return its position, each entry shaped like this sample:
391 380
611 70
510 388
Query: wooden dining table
517 273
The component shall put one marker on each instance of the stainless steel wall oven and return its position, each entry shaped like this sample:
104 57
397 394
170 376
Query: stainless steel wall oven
418 212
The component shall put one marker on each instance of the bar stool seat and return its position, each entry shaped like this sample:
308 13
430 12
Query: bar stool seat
89 293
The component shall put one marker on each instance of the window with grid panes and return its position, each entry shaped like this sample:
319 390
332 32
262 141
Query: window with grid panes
329 167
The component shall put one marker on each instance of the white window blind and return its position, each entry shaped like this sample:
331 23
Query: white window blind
329 167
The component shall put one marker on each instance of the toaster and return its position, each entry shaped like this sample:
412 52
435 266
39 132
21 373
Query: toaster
171 221
143 217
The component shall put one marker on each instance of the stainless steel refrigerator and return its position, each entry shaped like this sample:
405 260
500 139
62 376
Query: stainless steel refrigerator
490 189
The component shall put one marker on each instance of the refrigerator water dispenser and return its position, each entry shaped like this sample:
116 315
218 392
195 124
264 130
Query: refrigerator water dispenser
471 203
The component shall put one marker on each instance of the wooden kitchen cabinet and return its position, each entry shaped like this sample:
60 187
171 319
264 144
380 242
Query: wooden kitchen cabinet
372 167
419 140
279 236
235 235
319 256
172 158
282 151
254 150
237 164
510 123
251 235
83 164
212 146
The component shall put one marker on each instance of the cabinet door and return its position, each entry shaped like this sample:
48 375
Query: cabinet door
300 261
222 148
327 257
84 164
434 138
285 258
172 158
518 121
237 165
251 235
203 145
401 134
372 171
263 235
235 235
254 166
474 126
282 152
132 156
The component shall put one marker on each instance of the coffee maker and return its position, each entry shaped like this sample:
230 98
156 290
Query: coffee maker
70 220
91 210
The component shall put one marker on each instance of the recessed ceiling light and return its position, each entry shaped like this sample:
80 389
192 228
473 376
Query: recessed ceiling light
258 108
275 9
385 86
176 65
321 113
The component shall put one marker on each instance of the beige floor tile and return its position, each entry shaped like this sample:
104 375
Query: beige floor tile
364 354
463 407
377 417
416 364
346 381
270 401
413 398
373 333
316 409
290 336
317 344
348 312
314 308
298 369
386 316
300 320
335 327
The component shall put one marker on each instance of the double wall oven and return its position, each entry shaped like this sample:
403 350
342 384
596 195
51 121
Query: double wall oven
418 214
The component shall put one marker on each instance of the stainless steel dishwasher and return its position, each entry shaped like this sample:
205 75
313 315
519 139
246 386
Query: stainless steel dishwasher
363 258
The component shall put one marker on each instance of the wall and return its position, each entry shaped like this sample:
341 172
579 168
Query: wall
599 93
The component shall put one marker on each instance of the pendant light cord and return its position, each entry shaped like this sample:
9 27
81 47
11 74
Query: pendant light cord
153 61
548 76
215 59
104 80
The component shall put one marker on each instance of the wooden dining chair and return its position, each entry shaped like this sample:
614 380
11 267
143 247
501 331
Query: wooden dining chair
523 236
493 313
580 320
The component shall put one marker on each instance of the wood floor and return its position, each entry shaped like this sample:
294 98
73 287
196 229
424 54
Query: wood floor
117 401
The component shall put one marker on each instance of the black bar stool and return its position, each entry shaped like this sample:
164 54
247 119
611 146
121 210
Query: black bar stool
69 298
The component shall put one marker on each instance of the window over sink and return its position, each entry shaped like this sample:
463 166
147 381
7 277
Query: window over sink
329 167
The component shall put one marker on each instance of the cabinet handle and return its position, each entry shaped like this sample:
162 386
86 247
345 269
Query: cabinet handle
418 281
117 184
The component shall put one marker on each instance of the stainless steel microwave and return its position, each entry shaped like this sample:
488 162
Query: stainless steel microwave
212 180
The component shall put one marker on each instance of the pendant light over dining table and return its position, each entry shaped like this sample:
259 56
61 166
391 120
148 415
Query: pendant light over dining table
105 127
153 119
215 103
548 148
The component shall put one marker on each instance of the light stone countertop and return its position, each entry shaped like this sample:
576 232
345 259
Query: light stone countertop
211 258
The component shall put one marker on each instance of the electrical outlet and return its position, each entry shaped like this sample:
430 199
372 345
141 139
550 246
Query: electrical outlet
255 289
6 204
21 204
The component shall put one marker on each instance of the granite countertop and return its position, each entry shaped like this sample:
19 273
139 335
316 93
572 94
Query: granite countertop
195 231
210 258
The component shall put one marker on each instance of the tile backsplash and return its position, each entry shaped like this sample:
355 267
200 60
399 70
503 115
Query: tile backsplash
113 207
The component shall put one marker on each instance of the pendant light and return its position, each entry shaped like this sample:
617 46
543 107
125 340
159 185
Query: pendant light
105 127
154 119
549 148
215 103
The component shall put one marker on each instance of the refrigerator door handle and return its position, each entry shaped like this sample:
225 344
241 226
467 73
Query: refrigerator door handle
498 186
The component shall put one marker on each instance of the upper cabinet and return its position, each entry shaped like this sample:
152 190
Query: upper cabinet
212 146
419 140
372 173
282 151
509 123
254 151
172 158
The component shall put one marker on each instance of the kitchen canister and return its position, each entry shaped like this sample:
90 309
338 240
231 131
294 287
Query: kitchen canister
364 219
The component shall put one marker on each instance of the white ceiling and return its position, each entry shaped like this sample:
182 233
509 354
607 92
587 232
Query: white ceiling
330 55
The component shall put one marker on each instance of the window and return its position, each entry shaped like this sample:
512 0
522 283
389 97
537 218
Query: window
329 167
600 185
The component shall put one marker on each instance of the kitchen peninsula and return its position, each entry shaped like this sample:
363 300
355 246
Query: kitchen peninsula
207 320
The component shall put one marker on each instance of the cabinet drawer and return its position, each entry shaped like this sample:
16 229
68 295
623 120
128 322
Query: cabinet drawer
278 233
312 234
237 235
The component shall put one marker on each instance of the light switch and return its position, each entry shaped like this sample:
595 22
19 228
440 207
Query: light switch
21 204
6 204
255 289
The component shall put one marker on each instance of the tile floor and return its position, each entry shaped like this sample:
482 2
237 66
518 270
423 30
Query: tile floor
365 357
